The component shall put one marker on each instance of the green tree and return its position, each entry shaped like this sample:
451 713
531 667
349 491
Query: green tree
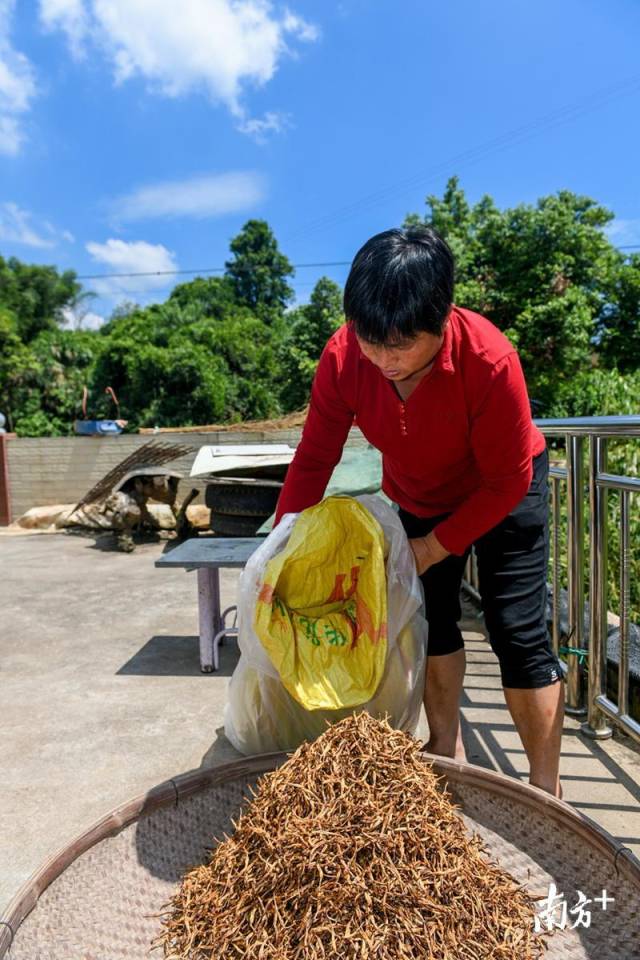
172 366
310 326
597 391
158 374
620 320
225 348
543 273
17 367
248 348
212 296
36 295
42 381
259 271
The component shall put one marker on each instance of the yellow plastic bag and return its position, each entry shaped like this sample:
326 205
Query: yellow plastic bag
321 613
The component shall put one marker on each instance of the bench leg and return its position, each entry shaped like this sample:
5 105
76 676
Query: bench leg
208 615
223 633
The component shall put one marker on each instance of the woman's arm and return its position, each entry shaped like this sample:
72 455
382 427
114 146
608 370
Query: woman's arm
325 431
427 551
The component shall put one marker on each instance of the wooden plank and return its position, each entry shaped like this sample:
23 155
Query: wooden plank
214 552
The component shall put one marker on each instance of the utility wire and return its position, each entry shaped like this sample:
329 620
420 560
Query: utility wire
174 273
518 135
296 266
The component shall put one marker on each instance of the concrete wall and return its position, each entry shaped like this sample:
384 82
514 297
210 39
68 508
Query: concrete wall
48 470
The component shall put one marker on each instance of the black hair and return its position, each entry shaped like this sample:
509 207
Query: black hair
400 283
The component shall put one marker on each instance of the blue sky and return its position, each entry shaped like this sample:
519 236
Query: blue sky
139 135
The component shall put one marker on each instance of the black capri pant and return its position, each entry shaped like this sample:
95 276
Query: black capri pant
512 570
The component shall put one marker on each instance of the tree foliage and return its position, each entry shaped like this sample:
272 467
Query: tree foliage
547 275
620 325
258 271
41 382
36 295
213 297
310 326
172 366
230 348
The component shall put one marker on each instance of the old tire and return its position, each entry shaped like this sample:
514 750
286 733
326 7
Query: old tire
243 499
232 525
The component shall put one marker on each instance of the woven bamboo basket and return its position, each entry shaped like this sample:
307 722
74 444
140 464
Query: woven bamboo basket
98 899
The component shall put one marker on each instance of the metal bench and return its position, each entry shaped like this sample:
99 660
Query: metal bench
207 556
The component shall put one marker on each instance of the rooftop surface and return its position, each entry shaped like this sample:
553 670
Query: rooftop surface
102 698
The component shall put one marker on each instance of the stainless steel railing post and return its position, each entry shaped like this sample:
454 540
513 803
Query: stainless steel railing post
555 563
602 713
618 712
625 606
597 726
575 555
470 579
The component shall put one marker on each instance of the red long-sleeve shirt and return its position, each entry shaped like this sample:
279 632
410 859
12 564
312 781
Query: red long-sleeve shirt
461 443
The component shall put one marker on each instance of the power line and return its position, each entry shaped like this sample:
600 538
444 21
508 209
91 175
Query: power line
517 135
497 144
175 273
296 266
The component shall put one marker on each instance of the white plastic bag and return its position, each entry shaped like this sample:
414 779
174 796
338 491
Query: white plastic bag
261 716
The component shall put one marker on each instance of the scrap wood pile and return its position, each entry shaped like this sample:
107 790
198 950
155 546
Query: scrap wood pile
351 850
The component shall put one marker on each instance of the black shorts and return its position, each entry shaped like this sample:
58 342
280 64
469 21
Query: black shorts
513 559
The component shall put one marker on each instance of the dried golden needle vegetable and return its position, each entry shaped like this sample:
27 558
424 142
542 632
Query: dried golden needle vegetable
350 850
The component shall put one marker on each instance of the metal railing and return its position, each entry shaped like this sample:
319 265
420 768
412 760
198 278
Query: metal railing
590 435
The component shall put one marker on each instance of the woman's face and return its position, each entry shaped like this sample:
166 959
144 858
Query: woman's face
403 359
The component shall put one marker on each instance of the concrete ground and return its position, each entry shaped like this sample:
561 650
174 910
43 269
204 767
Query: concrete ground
101 697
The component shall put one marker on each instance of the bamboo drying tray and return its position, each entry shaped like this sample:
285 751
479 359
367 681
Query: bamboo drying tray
96 899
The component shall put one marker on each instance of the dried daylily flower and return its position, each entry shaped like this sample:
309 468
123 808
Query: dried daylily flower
351 850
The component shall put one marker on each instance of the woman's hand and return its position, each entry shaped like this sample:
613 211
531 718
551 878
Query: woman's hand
427 551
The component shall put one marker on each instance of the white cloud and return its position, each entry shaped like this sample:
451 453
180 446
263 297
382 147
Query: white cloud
16 226
259 127
221 47
70 16
207 196
17 86
292 23
122 257
81 318
624 232
91 321
11 135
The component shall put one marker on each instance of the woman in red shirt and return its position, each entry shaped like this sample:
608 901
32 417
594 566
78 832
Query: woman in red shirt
440 392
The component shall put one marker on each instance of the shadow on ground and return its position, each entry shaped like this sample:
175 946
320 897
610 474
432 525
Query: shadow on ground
177 656
220 751
599 778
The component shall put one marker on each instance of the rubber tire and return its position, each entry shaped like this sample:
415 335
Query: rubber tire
242 500
234 525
